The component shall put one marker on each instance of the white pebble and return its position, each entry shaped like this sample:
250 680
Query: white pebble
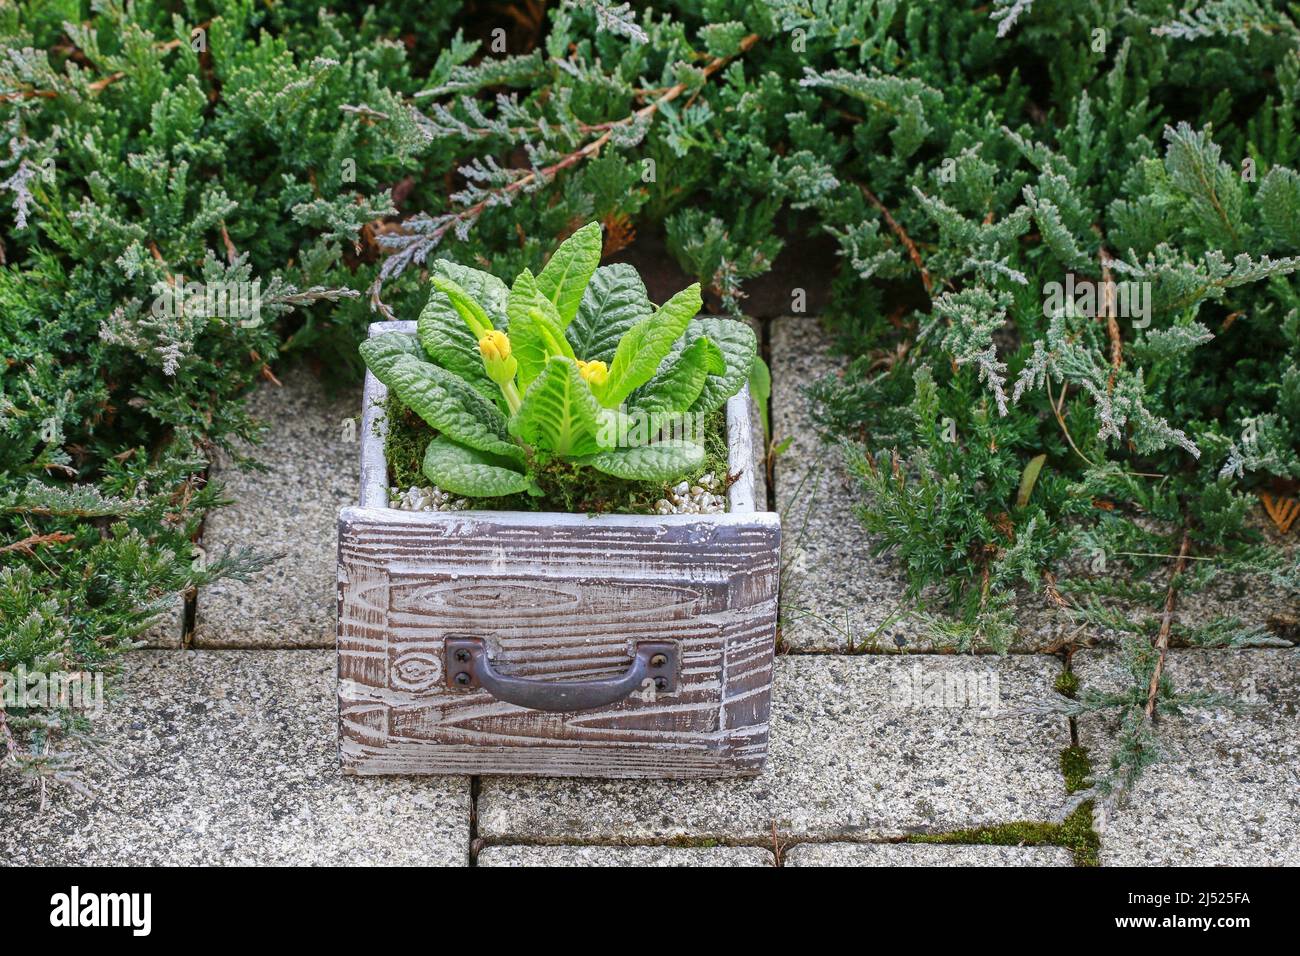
426 499
697 499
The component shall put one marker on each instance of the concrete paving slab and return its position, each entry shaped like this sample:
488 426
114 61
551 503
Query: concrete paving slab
311 454
230 758
1228 791
863 747
923 854
638 856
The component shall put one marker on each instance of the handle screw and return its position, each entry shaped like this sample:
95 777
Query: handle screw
462 655
462 678
661 683
658 660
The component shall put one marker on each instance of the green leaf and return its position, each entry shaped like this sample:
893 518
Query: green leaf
739 347
470 312
469 472
677 385
535 332
564 279
381 351
483 287
1028 478
615 300
448 341
661 461
646 344
450 404
559 414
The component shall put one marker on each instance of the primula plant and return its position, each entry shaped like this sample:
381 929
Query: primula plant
574 364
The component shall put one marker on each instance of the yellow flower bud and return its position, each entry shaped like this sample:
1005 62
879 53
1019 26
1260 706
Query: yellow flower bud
500 364
594 373
495 346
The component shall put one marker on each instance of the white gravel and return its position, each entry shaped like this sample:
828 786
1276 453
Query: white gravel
705 497
429 498
702 498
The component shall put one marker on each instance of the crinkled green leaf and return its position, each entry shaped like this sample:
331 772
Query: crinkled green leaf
739 347
483 287
559 414
535 331
615 300
469 472
379 352
567 272
662 461
450 404
677 384
646 344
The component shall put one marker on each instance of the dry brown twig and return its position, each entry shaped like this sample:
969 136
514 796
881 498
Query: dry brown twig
32 541
778 846
913 252
1282 511
1166 625
1107 311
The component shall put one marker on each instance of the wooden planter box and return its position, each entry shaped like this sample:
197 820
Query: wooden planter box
632 645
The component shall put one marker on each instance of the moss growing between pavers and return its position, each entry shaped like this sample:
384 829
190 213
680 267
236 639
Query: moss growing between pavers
1074 833
566 488
1067 684
696 843
1077 767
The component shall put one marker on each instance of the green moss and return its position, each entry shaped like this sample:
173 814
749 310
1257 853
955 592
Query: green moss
1075 833
565 488
408 436
1017 833
1067 684
696 843
1077 767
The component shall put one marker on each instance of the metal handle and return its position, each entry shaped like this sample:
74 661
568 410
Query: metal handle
653 671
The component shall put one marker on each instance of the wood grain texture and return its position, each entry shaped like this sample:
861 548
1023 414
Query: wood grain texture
555 596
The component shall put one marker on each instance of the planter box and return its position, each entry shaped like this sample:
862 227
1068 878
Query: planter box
496 642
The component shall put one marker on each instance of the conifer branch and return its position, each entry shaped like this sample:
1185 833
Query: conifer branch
903 237
95 86
422 245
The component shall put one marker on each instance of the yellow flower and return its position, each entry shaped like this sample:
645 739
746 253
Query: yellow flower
500 364
593 373
495 346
